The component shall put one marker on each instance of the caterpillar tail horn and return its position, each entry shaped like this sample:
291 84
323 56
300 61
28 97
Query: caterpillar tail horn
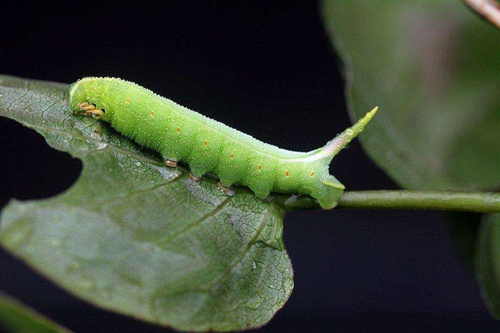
333 147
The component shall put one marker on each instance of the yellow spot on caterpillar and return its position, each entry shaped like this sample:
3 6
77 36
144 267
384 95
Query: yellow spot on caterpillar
178 129
152 113
312 174
287 173
205 143
259 167
232 155
127 100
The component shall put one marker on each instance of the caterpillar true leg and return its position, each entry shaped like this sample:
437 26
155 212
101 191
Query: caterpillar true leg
96 113
171 163
90 110
87 107
82 105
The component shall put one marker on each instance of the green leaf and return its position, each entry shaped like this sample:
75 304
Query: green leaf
16 317
138 238
488 262
433 69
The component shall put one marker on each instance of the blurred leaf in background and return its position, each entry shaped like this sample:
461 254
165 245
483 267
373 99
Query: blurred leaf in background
487 262
433 67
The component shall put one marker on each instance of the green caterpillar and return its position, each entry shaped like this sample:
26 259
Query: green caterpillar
208 146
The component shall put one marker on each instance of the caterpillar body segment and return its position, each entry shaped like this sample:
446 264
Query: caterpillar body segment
208 146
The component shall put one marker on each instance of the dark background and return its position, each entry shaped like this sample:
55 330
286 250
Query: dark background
266 68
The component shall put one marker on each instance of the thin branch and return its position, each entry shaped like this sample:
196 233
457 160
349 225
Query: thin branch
488 9
481 202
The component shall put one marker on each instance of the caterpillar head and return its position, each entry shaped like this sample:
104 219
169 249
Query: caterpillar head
77 96
79 101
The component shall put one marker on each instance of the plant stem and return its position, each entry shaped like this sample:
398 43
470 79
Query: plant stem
480 202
